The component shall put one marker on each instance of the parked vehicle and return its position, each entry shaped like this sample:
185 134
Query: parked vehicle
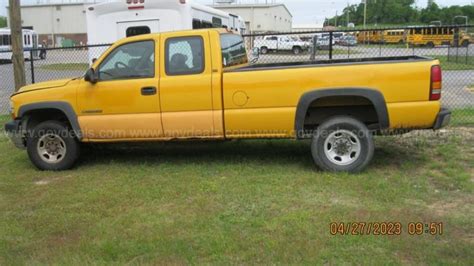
435 36
370 37
348 40
199 85
322 43
417 36
336 36
30 41
394 36
281 43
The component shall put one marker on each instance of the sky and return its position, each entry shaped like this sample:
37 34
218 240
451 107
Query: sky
304 11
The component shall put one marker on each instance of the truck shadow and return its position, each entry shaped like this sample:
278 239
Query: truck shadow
268 152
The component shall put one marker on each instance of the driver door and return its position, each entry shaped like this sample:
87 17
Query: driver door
124 103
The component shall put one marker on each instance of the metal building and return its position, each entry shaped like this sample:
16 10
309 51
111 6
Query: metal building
59 24
261 17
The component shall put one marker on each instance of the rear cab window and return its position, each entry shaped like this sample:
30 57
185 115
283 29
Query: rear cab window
184 56
233 50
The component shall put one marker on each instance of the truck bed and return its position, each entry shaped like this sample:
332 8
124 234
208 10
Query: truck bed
268 94
352 61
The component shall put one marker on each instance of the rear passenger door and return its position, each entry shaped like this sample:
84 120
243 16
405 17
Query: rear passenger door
186 86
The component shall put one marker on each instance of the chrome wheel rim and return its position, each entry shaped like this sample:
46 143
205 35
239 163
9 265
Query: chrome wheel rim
342 147
51 148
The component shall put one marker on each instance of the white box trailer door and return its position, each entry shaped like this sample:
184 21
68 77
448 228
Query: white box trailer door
130 28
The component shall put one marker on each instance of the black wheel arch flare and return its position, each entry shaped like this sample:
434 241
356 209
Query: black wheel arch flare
64 107
374 96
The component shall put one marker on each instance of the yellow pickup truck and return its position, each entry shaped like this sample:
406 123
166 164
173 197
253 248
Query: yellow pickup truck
199 85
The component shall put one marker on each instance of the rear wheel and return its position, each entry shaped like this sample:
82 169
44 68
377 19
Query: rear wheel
264 50
297 50
52 146
465 43
342 144
430 45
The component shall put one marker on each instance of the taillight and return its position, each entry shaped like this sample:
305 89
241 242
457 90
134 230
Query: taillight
436 83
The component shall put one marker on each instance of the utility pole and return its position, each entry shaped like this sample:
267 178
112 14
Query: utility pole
18 59
365 13
335 23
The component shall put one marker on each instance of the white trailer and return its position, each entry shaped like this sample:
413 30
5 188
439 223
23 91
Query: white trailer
30 41
110 21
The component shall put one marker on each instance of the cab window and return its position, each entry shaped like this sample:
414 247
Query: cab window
132 60
184 56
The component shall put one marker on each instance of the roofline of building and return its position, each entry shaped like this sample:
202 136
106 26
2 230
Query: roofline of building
54 4
251 6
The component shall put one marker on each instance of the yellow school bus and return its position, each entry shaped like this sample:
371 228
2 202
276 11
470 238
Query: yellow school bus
434 36
394 36
370 37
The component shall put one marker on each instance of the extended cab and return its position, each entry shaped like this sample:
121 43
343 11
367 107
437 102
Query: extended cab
199 85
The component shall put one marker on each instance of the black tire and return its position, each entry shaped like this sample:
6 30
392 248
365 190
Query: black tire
359 136
264 50
297 50
465 43
430 45
59 136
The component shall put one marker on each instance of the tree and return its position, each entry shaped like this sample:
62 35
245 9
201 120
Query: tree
403 12
3 22
432 12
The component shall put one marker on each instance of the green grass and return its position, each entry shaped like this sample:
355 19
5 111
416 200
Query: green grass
463 117
390 45
66 67
463 62
240 202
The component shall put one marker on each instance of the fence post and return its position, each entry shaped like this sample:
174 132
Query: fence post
449 53
457 53
32 66
315 47
467 54
330 44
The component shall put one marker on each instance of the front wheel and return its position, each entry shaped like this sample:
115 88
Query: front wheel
342 144
52 146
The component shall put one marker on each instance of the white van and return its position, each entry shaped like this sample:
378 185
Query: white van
30 41
110 21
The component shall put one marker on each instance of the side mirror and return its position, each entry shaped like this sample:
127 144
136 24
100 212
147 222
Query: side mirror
256 52
255 55
91 76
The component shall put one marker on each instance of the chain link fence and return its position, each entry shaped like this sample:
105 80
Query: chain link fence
450 44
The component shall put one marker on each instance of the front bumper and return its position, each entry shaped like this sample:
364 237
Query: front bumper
443 119
15 134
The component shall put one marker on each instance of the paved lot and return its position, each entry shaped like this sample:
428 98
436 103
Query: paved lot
455 82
